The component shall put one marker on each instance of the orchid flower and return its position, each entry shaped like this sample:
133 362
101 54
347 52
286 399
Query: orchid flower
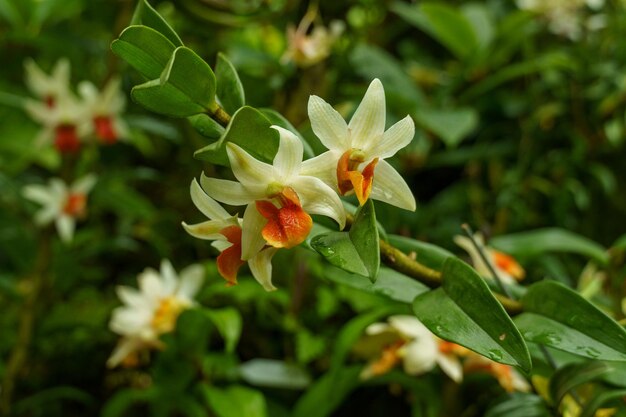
62 204
153 310
505 265
305 49
406 340
105 108
225 232
51 87
355 161
279 199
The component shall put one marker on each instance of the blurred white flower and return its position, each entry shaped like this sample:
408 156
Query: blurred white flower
62 204
567 17
355 161
406 340
105 108
505 265
152 310
507 376
305 49
48 88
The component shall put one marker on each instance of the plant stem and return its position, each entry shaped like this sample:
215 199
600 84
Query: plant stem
221 116
19 353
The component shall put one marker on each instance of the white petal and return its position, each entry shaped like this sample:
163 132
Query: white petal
151 285
328 125
390 187
323 166
409 326
125 347
209 207
451 366
168 276
85 184
209 230
247 170
130 296
420 356
368 122
65 226
318 198
395 138
46 215
288 157
261 267
232 192
38 194
377 328
191 279
251 239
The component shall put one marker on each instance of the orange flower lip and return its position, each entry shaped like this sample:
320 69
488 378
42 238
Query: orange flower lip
75 205
350 179
508 264
288 225
105 130
229 261
66 138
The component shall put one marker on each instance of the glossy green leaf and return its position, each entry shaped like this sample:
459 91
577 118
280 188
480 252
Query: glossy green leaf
144 49
323 397
235 401
464 311
444 23
206 126
354 251
229 323
536 242
599 400
229 88
147 16
248 128
451 126
569 377
427 254
519 405
193 77
164 99
274 373
556 316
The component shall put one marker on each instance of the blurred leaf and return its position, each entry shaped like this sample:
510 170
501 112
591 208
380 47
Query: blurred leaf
248 128
452 126
9 12
228 322
206 126
444 23
327 393
123 400
274 373
557 316
599 400
144 49
519 405
146 15
427 254
235 401
354 251
229 87
309 346
479 17
571 376
58 394
536 242
464 311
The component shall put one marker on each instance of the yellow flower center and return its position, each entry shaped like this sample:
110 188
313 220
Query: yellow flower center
166 313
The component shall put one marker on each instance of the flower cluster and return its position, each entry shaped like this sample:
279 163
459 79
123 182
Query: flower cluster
281 197
405 340
566 17
69 119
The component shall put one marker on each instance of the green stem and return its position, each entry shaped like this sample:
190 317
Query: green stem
220 116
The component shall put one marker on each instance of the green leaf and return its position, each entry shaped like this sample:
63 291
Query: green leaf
164 99
483 25
206 126
147 16
144 49
354 251
279 120
248 128
519 405
323 397
536 242
451 126
556 316
464 311
571 376
229 323
444 23
597 402
235 401
425 253
274 373
229 87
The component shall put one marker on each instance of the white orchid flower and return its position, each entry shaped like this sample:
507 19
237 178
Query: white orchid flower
51 87
62 204
225 232
279 199
409 342
153 310
505 265
105 108
355 161
305 49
